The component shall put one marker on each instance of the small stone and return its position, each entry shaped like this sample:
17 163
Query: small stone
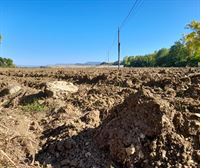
178 165
130 150
158 163
37 163
87 143
142 136
169 165
153 154
197 123
48 166
164 154
153 145
41 101
196 115
190 162
184 156
129 83
88 154
111 166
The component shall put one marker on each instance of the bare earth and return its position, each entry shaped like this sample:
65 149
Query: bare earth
134 118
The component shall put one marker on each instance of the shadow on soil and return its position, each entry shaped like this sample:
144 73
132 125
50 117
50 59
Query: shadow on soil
80 150
27 99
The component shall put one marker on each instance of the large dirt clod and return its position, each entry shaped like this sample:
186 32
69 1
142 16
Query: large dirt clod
11 90
59 89
140 132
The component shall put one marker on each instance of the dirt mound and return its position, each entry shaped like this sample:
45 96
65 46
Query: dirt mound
144 132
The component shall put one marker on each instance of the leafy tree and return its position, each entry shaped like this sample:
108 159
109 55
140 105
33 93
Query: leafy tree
161 57
5 62
185 52
9 62
178 55
126 61
192 42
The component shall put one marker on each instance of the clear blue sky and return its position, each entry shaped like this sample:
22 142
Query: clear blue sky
41 32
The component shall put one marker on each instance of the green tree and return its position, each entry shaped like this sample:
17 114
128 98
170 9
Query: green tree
9 62
178 55
126 61
5 62
161 57
192 42
185 52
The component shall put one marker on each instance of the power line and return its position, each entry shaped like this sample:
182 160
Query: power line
138 6
135 4
133 9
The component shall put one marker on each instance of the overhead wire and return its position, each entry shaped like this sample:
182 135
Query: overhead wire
136 5
131 10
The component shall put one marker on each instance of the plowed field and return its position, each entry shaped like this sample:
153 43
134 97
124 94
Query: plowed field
148 117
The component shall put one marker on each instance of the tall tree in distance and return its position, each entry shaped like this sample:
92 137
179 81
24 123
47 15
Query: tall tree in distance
192 41
161 56
6 62
178 55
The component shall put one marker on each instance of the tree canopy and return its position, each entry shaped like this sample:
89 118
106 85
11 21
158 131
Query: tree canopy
5 62
185 52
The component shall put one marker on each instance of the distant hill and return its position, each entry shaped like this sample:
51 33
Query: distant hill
89 63
76 64
93 63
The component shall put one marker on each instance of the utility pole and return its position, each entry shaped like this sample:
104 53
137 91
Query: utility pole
118 48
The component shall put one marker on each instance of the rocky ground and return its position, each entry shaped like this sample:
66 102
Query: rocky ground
100 118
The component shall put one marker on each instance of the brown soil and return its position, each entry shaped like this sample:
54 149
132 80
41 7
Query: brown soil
131 118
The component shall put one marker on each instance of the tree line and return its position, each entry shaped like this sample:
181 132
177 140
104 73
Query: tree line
185 52
5 62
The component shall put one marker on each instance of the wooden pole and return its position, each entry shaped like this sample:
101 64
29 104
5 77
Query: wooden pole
118 48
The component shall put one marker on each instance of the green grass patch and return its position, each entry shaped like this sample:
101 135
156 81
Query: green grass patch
34 106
